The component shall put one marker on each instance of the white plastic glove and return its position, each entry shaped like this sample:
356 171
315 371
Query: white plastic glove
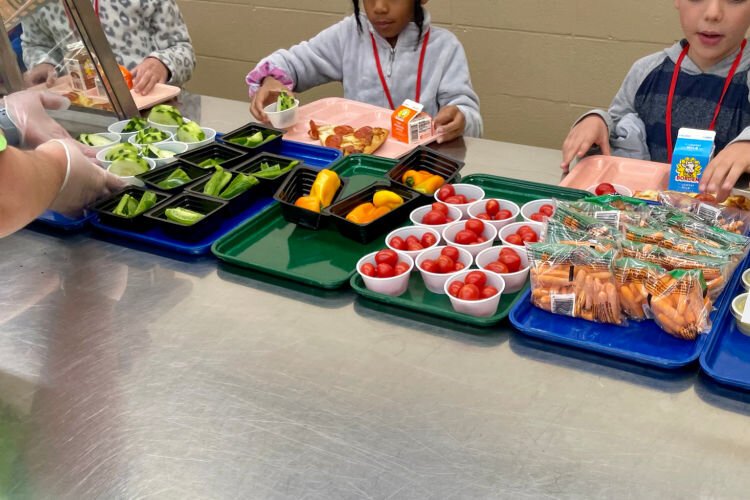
84 182
27 110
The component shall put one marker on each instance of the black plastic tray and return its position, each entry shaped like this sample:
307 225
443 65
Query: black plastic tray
230 156
298 183
211 207
152 178
272 146
423 158
138 223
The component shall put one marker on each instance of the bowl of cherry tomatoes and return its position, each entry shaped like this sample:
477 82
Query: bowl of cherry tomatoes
512 263
460 196
412 240
473 235
386 271
519 233
539 210
437 216
606 188
438 264
476 293
498 213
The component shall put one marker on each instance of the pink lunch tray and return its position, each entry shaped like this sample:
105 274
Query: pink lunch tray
160 93
638 175
339 111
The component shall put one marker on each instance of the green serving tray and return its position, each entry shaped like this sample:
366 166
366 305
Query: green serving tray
322 258
418 298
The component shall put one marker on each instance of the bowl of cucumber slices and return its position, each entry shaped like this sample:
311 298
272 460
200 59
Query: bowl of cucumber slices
283 113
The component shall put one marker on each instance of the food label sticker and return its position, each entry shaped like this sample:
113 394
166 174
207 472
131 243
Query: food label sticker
707 213
609 217
563 303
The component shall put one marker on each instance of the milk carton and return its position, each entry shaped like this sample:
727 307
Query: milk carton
409 124
692 152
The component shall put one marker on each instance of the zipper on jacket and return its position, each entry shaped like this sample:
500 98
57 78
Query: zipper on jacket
391 57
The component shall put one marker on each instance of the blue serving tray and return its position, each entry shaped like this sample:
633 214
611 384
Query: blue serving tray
314 156
640 342
62 223
726 358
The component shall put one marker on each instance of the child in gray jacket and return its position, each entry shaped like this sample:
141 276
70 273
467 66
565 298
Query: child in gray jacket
701 82
384 57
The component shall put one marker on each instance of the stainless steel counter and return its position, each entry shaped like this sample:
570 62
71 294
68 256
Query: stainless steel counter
124 374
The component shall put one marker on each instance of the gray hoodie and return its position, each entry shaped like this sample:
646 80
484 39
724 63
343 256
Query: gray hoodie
342 53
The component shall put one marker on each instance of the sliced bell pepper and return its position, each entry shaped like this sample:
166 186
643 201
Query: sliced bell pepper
415 177
216 183
309 202
385 198
126 206
361 214
148 200
239 185
268 171
429 185
183 216
324 188
177 178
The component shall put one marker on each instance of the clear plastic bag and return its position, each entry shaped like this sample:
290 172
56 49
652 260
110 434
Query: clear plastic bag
680 304
729 219
632 277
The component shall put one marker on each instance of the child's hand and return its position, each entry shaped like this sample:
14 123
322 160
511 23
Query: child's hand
267 93
449 124
725 170
588 132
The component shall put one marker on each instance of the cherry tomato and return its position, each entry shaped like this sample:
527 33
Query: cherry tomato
440 207
414 246
463 198
368 269
514 239
428 240
488 291
455 200
531 237
451 252
503 214
412 239
459 266
386 256
401 268
445 264
474 225
431 266
386 270
511 260
455 287
497 267
466 237
477 278
484 217
504 250
539 217
469 292
434 218
547 210
470 200
605 188
398 243
448 219
481 239
523 229
446 192
492 207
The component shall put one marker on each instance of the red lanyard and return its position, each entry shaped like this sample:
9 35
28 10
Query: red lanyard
419 69
673 85
96 7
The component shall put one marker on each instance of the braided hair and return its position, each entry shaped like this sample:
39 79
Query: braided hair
418 16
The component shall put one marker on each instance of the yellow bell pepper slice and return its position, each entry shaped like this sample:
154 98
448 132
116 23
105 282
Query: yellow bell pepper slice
385 198
324 188
361 214
430 185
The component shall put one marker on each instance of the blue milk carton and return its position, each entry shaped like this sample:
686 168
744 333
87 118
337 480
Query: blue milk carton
692 152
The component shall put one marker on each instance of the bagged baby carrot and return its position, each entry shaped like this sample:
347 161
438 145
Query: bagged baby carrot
632 277
680 303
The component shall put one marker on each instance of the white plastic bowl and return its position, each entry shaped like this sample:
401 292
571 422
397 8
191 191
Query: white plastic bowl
172 129
478 208
532 207
489 233
746 279
621 190
103 152
210 136
282 119
513 281
394 286
468 190
538 228
435 281
480 308
115 138
738 305
173 146
168 139
116 128
418 213
132 179
417 231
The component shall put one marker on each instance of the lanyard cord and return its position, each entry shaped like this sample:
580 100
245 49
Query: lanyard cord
419 69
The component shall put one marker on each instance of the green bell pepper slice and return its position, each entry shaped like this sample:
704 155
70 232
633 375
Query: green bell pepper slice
178 177
126 207
183 216
268 171
148 200
239 185
211 163
216 183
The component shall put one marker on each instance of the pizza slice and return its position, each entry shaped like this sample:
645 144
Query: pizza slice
348 140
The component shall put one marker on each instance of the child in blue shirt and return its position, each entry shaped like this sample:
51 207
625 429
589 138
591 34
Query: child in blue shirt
704 77
388 53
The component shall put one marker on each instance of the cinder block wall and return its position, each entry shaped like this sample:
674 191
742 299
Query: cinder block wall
536 64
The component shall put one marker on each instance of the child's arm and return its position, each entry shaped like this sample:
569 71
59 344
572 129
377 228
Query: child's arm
458 103
725 169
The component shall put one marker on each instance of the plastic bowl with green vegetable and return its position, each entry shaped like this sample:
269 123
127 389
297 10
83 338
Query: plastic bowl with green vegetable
194 135
150 136
117 152
164 152
283 113
129 168
165 117
128 128
738 307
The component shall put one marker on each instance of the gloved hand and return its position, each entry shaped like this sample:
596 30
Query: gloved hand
27 110
84 182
